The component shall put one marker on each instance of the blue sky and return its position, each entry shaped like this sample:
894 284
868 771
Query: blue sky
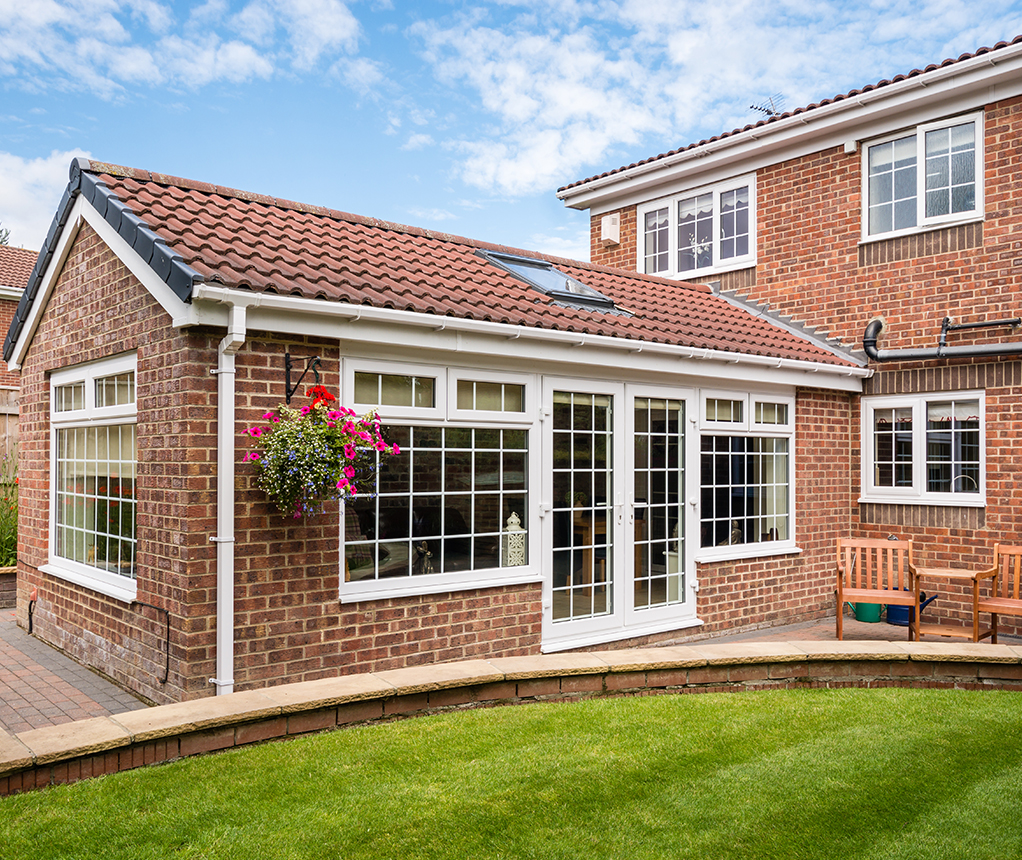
460 117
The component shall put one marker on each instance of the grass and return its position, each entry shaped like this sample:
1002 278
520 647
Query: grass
794 774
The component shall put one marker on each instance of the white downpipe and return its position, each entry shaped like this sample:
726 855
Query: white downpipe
224 539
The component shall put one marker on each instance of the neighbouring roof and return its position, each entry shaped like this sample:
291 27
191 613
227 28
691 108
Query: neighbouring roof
191 233
802 110
16 266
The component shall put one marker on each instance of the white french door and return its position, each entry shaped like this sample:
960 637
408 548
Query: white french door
614 512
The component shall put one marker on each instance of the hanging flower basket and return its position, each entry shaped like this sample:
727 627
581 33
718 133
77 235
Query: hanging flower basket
305 457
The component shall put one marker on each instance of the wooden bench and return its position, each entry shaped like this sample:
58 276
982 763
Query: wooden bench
876 571
1005 597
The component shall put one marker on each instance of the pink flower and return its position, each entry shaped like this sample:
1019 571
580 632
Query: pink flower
341 484
253 456
255 432
394 449
353 490
269 416
334 415
349 452
349 471
306 410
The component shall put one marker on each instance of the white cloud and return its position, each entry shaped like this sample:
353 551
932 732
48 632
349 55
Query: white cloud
360 74
316 27
575 247
418 141
426 216
32 189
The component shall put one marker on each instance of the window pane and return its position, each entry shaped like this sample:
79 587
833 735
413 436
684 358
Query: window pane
444 504
69 397
656 251
951 170
695 233
745 488
724 410
952 447
892 185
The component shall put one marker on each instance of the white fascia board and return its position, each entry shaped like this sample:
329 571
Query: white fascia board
83 212
364 326
942 92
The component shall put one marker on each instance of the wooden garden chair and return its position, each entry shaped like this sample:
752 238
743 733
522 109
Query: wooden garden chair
1005 597
876 571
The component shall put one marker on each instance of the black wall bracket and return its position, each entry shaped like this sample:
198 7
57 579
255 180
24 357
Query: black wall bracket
289 389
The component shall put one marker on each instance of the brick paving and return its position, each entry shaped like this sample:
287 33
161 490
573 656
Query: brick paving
39 686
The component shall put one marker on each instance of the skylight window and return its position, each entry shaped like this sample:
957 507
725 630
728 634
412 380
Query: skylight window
550 281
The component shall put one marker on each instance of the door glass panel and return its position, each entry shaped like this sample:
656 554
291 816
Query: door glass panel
659 491
583 475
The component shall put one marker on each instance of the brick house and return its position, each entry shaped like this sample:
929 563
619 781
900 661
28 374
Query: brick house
892 211
589 455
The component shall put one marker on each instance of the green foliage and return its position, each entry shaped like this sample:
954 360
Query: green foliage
9 510
5 236
307 456
903 774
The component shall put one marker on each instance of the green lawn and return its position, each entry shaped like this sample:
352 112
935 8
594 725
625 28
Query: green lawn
813 773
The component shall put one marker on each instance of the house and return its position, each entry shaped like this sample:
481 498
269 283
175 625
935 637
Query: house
15 267
589 456
888 216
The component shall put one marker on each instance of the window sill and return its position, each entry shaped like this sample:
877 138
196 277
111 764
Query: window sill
932 227
745 552
927 501
118 587
701 276
414 586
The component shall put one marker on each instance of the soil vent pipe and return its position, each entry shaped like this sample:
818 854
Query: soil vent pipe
874 327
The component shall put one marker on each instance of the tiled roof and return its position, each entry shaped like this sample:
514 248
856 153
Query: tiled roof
802 110
195 232
15 266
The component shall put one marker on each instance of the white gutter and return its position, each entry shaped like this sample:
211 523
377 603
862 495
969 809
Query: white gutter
341 312
224 539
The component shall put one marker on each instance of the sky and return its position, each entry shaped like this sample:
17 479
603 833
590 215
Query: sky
452 116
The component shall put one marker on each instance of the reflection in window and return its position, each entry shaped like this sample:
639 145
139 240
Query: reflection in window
952 446
744 493
440 506
491 396
695 233
657 251
390 389
583 496
892 447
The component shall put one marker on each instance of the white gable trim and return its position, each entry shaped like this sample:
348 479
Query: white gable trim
83 212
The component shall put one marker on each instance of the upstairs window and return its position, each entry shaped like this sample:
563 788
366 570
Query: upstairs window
923 178
700 232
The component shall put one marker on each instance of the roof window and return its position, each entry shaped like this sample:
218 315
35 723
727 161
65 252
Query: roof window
550 281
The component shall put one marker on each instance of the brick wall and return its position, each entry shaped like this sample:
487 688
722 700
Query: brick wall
290 625
812 267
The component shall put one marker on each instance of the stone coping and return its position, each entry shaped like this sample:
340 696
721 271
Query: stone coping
76 750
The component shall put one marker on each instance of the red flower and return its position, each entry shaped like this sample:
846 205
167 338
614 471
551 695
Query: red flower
321 395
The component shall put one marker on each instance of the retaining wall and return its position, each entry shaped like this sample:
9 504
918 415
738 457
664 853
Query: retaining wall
79 750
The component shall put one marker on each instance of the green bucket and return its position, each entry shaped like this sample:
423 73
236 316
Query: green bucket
868 612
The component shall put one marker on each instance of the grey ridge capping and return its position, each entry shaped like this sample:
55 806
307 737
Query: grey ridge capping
789 324
164 261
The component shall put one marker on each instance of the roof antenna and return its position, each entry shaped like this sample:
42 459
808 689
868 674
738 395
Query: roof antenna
771 106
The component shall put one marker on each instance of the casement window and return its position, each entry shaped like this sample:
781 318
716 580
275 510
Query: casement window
701 231
451 509
93 492
924 449
923 178
745 472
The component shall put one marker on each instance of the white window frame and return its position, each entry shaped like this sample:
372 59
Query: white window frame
446 414
749 428
923 223
671 204
917 493
111 584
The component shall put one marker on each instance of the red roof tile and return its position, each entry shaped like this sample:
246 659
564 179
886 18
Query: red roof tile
777 117
257 243
16 265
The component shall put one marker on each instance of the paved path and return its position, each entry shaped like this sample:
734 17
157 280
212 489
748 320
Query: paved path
39 686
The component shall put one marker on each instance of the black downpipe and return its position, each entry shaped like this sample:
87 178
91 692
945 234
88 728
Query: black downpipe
874 327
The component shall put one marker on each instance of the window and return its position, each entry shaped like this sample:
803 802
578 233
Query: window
451 509
745 471
699 232
550 281
93 508
924 178
925 449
